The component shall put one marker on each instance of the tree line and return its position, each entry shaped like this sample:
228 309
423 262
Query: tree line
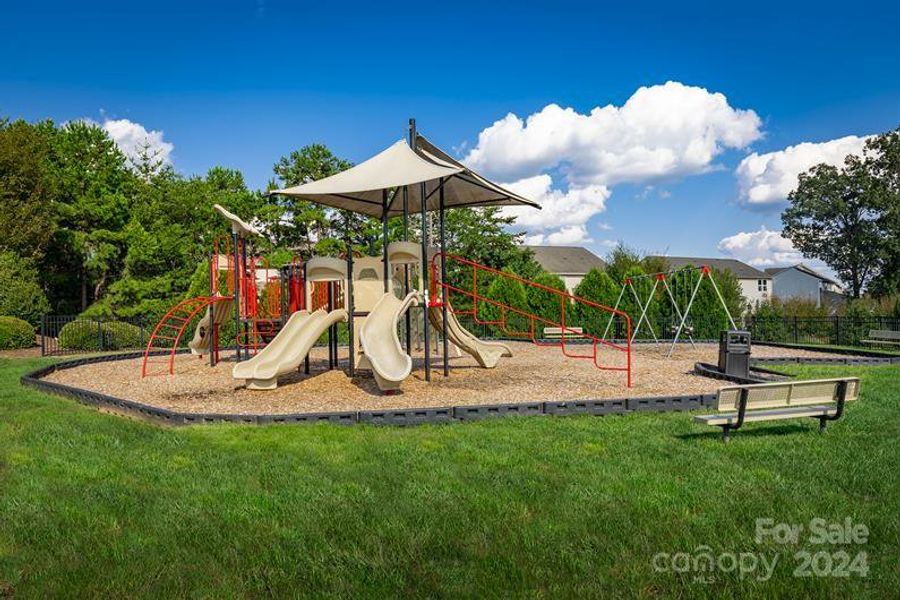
86 230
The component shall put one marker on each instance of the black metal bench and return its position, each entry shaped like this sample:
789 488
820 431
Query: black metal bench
821 399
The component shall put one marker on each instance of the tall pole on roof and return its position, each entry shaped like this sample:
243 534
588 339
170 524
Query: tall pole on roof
424 274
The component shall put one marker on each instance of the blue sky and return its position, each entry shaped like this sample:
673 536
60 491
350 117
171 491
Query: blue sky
241 83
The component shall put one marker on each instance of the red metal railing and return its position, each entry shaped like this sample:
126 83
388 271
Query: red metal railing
532 319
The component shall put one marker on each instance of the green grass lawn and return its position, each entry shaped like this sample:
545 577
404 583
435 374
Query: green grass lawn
96 505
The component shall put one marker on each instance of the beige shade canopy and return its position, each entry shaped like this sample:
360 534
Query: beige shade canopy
361 188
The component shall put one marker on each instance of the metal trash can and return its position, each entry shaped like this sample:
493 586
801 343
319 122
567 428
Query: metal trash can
734 353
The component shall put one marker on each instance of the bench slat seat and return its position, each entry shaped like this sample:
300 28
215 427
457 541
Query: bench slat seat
766 415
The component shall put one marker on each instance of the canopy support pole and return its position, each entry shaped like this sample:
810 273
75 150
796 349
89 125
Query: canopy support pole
350 308
443 230
423 276
384 237
407 316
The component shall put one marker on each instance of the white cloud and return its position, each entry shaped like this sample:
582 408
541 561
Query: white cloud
769 178
558 209
565 236
763 248
662 130
132 137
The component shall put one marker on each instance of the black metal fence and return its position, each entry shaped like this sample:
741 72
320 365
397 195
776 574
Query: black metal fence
63 334
836 331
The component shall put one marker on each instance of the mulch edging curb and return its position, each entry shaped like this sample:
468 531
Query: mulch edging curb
405 416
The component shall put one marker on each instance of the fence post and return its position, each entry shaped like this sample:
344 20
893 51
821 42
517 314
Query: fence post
837 330
43 334
796 334
99 336
141 325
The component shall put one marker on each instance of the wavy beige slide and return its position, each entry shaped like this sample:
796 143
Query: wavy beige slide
285 353
381 343
487 354
199 344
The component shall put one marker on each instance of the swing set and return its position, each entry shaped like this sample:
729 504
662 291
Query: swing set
687 283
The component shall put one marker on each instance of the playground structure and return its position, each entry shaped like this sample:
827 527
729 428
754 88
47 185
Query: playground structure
372 295
661 279
238 279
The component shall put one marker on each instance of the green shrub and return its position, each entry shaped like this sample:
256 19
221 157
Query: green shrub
546 304
88 335
20 293
80 334
120 336
15 333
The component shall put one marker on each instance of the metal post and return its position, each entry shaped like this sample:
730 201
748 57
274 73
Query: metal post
719 294
644 312
407 316
677 310
330 288
44 335
687 311
306 305
349 301
612 316
423 276
235 239
210 332
443 232
384 237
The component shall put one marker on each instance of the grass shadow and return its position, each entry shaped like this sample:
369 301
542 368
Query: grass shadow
763 431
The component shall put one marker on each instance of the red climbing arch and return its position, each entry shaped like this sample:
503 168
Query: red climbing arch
165 340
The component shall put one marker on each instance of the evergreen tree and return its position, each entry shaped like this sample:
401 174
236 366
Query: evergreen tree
598 287
551 307
507 293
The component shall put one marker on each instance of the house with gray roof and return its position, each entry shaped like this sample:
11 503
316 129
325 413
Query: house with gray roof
756 285
571 263
800 281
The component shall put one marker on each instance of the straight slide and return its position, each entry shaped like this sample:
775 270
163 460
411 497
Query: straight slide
487 354
285 353
381 343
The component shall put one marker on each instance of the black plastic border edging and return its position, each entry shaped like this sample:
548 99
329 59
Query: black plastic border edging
827 350
409 416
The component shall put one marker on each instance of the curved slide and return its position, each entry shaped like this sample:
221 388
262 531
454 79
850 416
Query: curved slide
487 354
199 344
381 344
285 353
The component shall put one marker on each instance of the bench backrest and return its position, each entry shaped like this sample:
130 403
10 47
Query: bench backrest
787 393
884 334
557 331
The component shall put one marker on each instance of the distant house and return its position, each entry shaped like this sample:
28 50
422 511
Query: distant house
800 281
756 285
571 263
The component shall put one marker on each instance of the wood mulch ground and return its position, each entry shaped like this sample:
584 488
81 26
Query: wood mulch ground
532 374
